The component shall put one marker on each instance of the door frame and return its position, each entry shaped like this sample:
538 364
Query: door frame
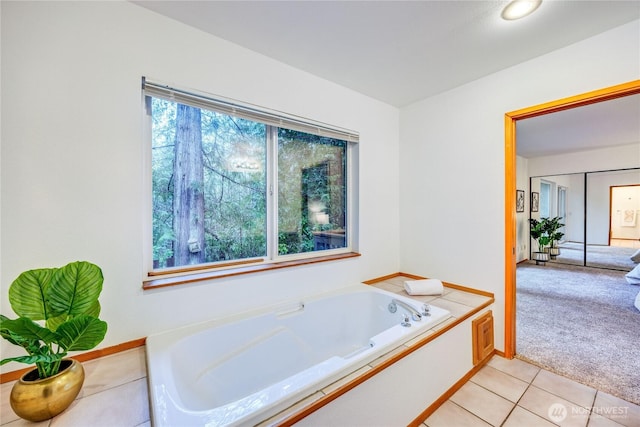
510 119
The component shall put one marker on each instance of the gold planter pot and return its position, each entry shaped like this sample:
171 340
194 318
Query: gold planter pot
39 400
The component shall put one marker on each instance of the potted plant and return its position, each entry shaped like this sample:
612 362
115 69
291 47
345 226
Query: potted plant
538 232
57 312
552 227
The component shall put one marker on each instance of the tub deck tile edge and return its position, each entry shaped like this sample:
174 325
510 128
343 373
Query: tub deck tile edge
290 416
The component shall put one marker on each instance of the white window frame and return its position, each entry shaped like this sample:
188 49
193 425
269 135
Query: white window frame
275 120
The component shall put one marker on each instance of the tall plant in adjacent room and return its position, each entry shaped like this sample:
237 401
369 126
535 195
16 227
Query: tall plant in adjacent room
539 233
552 226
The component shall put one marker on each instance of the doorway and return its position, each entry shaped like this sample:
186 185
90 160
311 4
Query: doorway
624 226
511 119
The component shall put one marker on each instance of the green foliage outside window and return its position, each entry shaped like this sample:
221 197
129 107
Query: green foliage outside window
231 158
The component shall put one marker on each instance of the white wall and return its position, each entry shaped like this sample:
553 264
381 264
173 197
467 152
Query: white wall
621 157
599 202
522 218
72 156
452 158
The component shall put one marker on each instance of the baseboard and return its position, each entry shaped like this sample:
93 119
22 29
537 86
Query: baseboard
83 357
450 392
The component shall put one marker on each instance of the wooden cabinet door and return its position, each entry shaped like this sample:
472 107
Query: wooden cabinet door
482 337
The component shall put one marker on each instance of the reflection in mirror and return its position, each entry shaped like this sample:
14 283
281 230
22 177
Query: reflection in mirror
563 196
603 206
612 237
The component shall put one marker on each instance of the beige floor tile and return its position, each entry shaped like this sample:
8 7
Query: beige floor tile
112 371
6 413
616 409
482 403
567 389
466 298
449 414
553 408
515 367
19 422
600 421
123 406
500 383
520 417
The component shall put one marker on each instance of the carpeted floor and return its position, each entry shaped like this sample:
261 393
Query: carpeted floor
614 257
581 323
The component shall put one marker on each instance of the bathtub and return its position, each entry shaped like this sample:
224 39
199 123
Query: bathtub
242 370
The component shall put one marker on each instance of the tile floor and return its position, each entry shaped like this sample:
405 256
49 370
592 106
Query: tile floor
513 393
509 393
114 394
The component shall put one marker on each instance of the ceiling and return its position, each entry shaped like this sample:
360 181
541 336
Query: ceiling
402 51
605 124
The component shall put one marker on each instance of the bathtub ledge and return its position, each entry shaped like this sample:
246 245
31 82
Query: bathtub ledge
463 302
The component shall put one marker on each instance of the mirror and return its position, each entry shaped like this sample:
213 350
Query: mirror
600 212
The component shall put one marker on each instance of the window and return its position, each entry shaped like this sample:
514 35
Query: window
545 199
232 184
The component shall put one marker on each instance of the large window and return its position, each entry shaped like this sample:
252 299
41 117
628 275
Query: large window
233 184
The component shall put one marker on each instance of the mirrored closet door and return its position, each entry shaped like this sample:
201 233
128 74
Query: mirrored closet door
600 213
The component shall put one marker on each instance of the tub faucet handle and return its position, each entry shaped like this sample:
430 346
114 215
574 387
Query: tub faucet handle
405 321
426 310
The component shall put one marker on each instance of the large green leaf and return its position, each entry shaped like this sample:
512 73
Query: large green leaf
35 358
27 293
81 333
54 322
74 289
22 331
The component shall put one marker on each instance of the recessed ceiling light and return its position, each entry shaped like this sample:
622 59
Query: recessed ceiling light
517 9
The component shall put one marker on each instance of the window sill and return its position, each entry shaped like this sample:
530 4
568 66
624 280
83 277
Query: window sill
154 283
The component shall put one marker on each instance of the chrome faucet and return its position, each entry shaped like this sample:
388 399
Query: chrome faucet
393 307
426 310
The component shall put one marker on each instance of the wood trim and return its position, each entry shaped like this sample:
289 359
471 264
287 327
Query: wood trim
417 422
469 290
510 233
446 284
600 95
175 270
381 279
327 398
83 357
155 283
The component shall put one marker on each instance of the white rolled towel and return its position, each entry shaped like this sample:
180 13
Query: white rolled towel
424 287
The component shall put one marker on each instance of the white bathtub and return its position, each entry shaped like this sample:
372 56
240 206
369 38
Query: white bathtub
240 371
